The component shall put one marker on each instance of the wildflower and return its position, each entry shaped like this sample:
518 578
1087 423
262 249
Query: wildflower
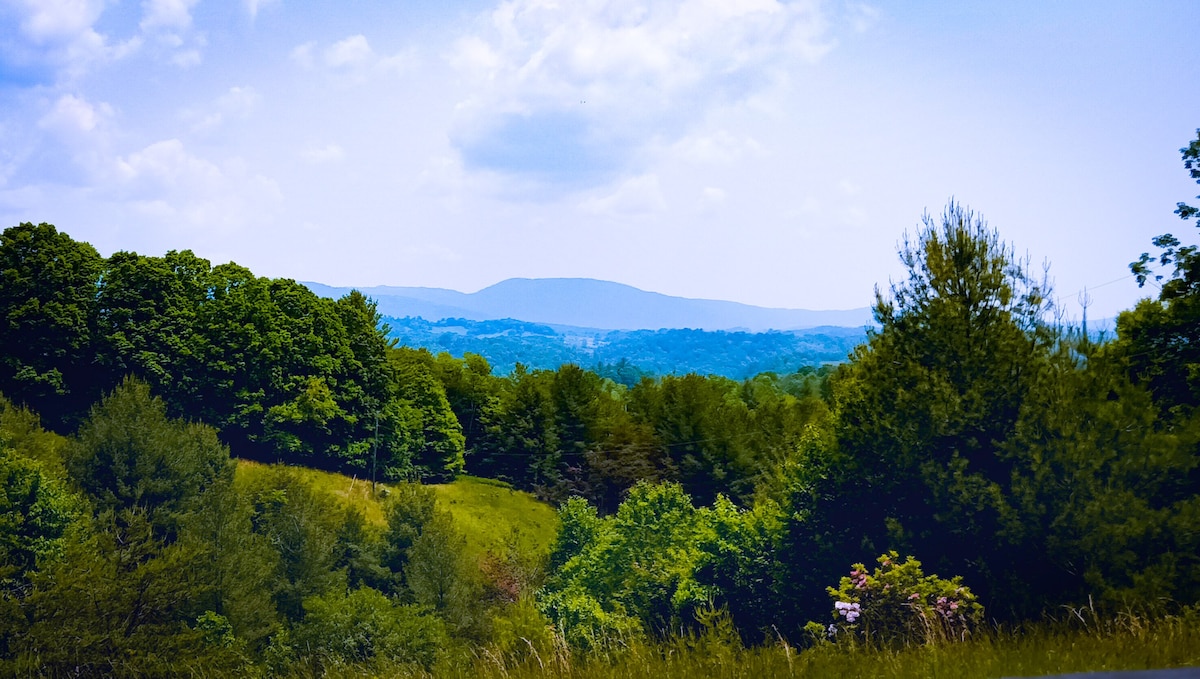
914 596
849 611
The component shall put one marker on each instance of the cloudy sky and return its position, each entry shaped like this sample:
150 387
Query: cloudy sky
771 152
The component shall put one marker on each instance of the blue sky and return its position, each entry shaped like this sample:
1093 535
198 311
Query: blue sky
760 151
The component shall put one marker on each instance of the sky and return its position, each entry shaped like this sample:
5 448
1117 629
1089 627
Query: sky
771 152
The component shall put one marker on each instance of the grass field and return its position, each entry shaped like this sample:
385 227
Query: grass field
489 513
1124 643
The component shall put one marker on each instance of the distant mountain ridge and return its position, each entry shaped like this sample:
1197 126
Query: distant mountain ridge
589 303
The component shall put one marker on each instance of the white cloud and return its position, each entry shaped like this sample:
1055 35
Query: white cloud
628 72
170 15
73 115
237 103
718 147
167 164
169 23
352 56
302 54
166 182
59 20
861 16
187 58
62 34
633 197
352 51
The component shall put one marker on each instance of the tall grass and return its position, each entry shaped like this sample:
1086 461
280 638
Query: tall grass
1127 642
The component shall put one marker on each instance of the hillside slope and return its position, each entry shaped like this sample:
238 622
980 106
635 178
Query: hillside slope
489 513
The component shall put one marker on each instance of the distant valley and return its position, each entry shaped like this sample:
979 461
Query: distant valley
626 355
620 331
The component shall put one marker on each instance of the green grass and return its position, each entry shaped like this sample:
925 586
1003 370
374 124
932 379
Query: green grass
489 513
350 491
1128 643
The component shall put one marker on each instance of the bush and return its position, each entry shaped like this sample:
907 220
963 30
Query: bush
365 626
898 604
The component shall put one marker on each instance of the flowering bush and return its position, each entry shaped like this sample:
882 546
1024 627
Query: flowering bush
898 603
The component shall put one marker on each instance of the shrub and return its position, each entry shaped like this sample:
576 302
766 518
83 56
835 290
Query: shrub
364 626
898 603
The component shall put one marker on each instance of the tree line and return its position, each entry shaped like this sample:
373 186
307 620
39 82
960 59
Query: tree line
285 375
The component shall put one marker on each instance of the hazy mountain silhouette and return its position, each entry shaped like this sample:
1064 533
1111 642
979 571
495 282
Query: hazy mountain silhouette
588 303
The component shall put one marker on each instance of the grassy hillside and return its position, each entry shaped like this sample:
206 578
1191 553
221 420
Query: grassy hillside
489 513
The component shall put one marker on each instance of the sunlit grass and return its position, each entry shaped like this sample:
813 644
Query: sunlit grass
488 513
350 491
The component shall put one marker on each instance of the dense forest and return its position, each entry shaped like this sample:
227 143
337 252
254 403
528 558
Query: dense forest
625 356
1027 465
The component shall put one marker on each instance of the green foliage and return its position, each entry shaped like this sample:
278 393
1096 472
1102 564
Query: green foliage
626 356
740 559
1191 162
119 602
924 410
130 455
365 627
628 572
437 445
473 394
408 509
39 518
301 525
1116 486
700 421
48 321
521 633
441 576
21 430
1161 335
899 604
36 512
237 565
